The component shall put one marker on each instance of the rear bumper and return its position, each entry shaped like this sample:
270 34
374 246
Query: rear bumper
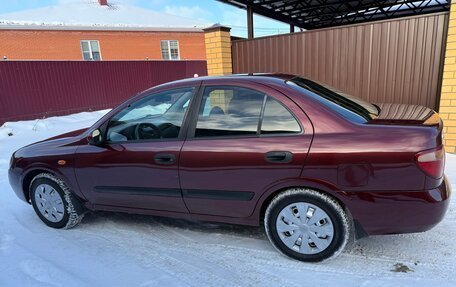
399 211
15 182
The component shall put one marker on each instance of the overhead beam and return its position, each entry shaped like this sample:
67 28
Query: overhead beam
313 14
335 19
265 12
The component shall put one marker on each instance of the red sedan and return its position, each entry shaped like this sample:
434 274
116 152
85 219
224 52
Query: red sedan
312 164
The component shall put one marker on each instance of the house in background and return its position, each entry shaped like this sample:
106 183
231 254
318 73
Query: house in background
97 30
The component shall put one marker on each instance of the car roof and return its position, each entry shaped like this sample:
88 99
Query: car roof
255 77
262 78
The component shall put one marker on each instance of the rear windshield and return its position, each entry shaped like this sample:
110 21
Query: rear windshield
349 103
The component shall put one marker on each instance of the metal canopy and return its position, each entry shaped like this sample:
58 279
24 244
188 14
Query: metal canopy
313 14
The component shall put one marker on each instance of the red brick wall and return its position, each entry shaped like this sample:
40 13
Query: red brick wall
114 45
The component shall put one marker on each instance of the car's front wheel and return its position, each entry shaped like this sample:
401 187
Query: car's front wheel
53 202
307 225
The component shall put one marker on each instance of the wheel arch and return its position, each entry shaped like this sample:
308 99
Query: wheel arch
265 203
32 172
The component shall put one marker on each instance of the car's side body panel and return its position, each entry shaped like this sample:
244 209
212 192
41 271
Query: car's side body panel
228 176
128 176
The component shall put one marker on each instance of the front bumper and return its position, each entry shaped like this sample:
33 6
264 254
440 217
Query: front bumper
399 211
15 181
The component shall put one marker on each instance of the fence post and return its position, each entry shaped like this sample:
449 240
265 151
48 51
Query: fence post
218 50
447 109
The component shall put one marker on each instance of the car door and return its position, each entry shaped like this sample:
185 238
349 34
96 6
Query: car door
243 140
137 167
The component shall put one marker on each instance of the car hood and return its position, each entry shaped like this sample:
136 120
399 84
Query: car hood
50 146
68 135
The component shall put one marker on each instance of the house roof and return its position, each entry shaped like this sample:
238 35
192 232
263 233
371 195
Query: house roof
90 15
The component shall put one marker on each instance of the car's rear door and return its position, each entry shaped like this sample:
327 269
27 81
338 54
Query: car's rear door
243 139
138 165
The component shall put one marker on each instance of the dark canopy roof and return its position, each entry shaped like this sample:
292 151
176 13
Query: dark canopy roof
312 14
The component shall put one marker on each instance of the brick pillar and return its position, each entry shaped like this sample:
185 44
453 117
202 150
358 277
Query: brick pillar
447 109
218 50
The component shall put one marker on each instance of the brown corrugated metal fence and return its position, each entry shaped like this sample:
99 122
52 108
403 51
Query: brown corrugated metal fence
396 61
30 90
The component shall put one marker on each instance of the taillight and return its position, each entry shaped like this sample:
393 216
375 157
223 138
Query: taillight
432 161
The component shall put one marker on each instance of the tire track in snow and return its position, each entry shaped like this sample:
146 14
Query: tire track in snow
186 269
232 257
218 258
212 261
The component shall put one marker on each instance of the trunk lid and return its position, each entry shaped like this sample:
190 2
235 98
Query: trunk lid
403 114
413 116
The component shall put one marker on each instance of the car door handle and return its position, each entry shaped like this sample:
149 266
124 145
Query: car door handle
164 158
278 156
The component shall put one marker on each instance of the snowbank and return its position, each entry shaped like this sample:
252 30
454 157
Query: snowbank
130 250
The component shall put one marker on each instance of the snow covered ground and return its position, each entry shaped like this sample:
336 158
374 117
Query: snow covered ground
113 249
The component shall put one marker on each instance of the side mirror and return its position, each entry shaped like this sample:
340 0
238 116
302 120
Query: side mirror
95 137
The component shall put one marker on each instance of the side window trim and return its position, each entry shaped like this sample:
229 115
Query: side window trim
192 106
260 122
197 100
183 131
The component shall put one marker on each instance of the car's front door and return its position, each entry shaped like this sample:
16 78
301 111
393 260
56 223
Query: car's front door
242 141
137 167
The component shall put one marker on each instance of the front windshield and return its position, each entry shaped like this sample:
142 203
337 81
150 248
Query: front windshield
145 111
150 109
355 105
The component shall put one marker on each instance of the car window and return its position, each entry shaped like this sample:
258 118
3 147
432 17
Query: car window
349 106
277 119
157 116
229 111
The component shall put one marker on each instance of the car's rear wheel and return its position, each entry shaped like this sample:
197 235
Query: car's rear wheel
53 202
307 225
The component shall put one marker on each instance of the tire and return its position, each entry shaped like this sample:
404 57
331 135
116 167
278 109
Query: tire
53 202
307 240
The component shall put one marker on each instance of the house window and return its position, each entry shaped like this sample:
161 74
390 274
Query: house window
170 49
90 50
